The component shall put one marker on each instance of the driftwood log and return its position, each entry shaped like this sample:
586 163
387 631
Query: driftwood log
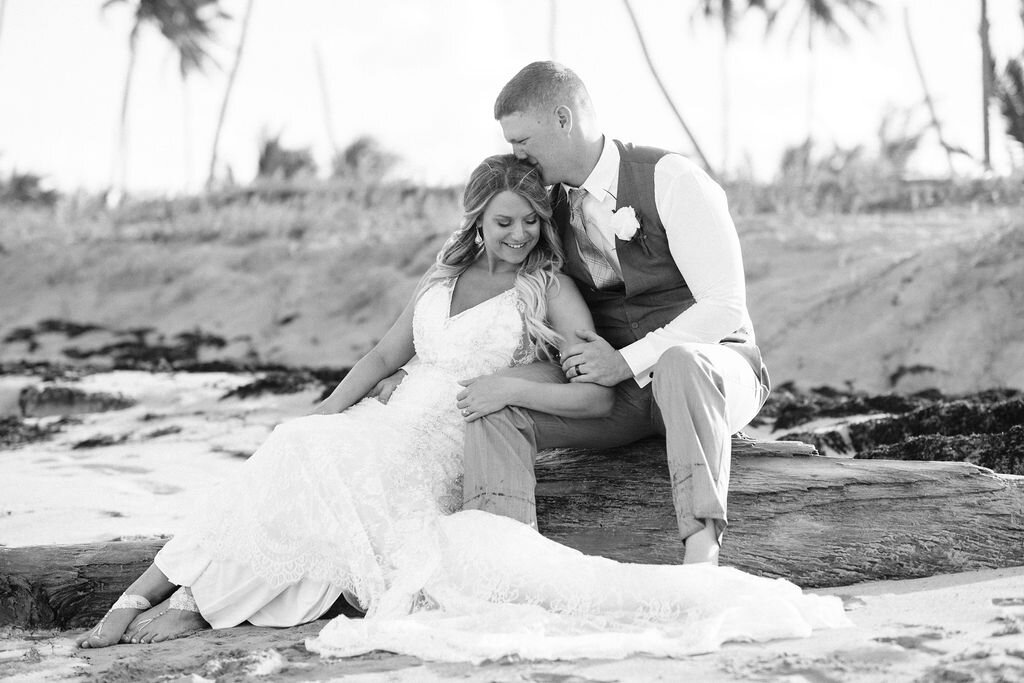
815 520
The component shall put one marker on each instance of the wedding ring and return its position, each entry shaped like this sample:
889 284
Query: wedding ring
465 412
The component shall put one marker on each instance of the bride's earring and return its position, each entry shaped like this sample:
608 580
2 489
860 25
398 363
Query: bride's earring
479 239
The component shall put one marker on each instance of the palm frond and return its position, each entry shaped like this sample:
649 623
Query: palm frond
1010 92
189 25
835 17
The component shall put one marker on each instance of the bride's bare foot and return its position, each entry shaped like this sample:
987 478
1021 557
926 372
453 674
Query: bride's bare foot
142 619
113 624
173 618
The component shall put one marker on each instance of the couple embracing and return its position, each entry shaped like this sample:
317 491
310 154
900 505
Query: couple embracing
605 310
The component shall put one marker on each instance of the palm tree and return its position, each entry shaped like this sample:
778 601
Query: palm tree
935 122
726 13
210 176
830 17
988 77
1010 93
3 6
188 26
664 91
552 25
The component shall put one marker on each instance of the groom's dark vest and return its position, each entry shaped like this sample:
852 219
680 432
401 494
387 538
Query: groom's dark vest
653 292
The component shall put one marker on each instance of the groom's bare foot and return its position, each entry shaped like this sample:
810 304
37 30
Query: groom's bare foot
702 547
165 624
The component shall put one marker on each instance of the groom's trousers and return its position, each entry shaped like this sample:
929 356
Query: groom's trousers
700 395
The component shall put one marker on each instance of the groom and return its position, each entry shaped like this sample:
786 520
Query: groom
649 240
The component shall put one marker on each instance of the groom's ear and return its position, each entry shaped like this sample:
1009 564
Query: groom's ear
564 116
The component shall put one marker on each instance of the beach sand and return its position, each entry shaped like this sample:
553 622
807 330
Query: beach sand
149 461
958 627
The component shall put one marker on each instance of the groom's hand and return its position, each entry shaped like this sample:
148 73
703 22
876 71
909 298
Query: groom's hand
593 360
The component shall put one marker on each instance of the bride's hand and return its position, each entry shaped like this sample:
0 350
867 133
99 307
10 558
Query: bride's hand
383 389
484 395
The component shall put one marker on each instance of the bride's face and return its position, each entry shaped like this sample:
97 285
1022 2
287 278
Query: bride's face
511 229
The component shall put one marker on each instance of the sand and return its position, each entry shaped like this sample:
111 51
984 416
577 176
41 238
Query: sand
960 627
181 436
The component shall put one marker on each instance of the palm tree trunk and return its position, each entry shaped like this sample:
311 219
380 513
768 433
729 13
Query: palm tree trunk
664 92
120 178
186 135
552 24
227 93
811 80
726 104
987 78
936 124
3 6
325 101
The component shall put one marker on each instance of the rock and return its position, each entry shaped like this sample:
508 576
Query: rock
273 383
902 420
290 381
16 431
790 407
948 419
1002 452
65 400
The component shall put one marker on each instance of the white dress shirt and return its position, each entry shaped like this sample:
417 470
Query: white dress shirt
703 243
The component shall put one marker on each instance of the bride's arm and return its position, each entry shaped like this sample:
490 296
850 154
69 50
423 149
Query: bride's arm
544 389
391 352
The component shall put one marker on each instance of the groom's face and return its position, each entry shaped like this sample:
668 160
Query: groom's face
538 137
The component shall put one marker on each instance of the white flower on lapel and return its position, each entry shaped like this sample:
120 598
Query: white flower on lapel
624 223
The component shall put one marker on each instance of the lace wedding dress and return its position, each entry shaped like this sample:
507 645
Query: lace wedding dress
335 505
360 504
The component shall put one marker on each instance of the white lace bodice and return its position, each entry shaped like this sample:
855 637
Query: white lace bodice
477 341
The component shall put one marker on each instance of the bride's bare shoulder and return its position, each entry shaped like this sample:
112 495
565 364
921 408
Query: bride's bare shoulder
560 284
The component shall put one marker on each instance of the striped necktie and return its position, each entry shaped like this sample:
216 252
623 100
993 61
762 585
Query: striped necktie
593 258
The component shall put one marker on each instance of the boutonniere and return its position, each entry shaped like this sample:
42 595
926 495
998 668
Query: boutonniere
627 226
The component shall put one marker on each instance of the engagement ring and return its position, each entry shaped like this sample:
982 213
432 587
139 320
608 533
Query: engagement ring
465 412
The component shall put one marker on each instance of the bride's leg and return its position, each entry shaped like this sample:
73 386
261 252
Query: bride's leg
152 586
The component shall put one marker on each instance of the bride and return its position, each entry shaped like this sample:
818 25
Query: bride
359 500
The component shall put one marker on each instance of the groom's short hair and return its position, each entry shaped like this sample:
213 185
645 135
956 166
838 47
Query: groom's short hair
546 84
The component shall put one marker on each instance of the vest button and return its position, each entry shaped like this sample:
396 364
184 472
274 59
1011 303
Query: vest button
634 325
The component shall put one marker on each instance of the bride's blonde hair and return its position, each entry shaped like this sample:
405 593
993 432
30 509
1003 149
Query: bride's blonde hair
538 272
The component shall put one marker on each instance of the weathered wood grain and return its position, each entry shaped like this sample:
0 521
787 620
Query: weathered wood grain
67 586
818 521
814 520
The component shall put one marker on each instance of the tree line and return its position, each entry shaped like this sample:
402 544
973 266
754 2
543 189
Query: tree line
192 27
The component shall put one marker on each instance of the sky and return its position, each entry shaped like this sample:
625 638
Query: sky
421 77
